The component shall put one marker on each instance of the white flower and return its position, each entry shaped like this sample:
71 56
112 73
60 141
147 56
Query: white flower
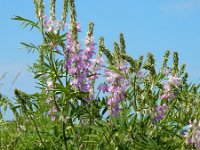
50 84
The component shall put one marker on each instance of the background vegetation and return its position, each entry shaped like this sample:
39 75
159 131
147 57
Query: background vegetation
101 99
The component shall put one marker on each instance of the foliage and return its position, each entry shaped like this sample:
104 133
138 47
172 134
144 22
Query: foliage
135 107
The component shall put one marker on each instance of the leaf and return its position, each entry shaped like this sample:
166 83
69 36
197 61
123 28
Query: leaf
113 68
89 142
30 47
26 22
97 129
91 136
104 111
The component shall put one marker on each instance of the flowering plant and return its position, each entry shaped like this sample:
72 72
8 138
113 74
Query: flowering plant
98 100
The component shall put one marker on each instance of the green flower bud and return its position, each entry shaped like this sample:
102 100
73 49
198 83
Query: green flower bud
40 9
101 46
52 9
175 63
116 53
139 62
64 13
185 77
182 69
165 60
36 8
150 64
90 29
122 44
131 61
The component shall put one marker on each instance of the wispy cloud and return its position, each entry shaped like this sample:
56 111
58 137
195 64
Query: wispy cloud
182 7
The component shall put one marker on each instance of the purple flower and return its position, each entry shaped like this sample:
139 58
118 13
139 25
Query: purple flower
193 138
52 113
140 74
123 66
72 70
167 87
117 87
167 93
167 71
115 111
103 87
175 80
111 77
112 102
97 63
78 26
49 101
84 87
51 25
53 117
159 112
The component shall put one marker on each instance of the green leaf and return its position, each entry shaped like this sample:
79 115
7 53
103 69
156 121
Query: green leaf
89 142
30 47
26 22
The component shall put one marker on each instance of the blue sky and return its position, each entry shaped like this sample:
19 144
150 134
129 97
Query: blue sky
153 26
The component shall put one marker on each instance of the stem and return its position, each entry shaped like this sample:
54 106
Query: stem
31 118
134 88
76 138
64 135
54 69
41 53
36 128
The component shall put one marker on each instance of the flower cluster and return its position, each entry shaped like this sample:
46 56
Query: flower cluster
193 136
52 112
159 112
118 86
51 25
80 65
168 84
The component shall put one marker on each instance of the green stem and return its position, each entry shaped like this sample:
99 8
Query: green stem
64 135
54 69
75 136
36 128
134 89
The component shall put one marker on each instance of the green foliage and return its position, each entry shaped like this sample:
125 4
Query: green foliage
26 22
59 117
